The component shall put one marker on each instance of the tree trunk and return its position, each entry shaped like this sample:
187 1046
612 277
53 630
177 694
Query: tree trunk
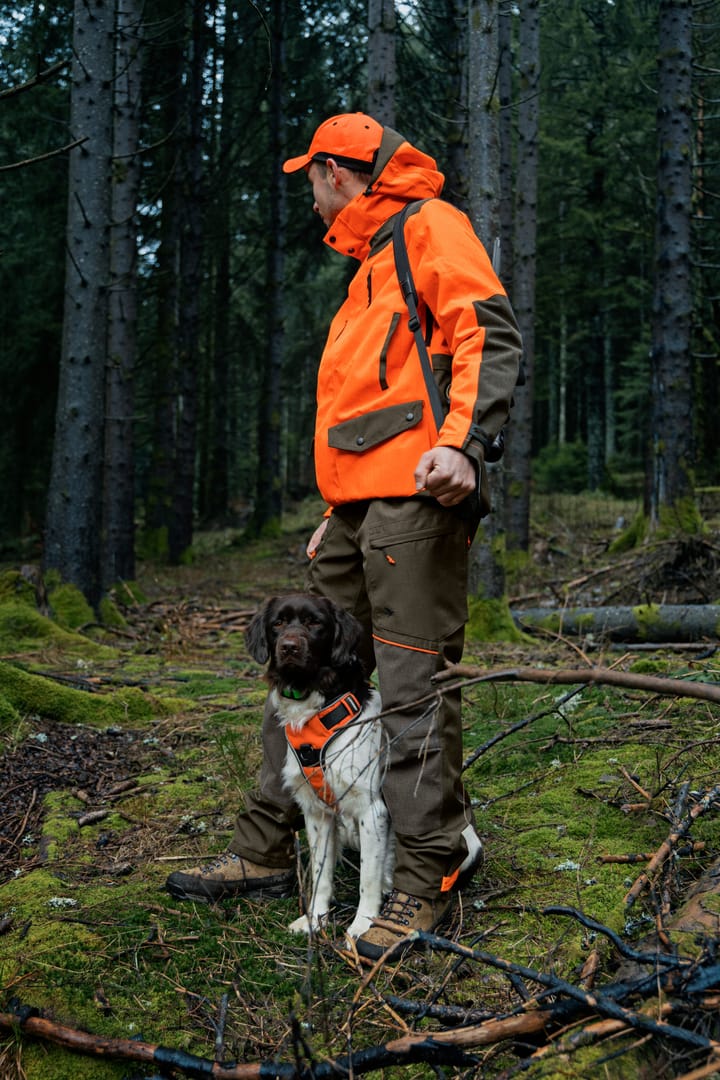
73 523
118 556
455 162
158 493
519 432
268 499
190 275
505 121
487 567
483 132
672 451
214 491
381 61
487 556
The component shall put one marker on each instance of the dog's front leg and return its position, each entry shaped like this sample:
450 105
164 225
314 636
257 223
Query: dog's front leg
374 829
322 840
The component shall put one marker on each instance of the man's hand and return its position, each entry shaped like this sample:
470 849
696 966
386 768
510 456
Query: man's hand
446 473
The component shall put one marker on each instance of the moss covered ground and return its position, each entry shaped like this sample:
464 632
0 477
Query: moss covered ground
153 726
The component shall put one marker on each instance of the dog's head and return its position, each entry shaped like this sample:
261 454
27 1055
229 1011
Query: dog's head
302 636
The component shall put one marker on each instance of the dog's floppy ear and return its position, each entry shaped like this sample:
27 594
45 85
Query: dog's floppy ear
256 637
347 636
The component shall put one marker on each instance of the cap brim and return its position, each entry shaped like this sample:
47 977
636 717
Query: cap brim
294 163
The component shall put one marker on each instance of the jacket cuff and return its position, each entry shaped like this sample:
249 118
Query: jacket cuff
475 450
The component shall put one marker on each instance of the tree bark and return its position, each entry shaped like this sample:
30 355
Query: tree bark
118 554
268 498
191 207
519 431
487 566
73 520
672 451
160 479
381 61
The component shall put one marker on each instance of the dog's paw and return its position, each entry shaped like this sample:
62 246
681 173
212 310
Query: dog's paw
300 926
358 926
305 925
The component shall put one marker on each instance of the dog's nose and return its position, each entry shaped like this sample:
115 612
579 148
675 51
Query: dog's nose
290 645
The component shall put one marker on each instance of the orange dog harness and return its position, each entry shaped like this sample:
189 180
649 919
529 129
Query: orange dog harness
310 742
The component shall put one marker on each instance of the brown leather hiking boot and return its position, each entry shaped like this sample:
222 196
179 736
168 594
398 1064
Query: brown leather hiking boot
400 915
231 875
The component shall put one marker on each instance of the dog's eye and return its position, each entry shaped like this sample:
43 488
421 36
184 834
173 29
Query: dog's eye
279 623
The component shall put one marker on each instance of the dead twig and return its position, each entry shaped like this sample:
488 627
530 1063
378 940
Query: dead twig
646 856
669 844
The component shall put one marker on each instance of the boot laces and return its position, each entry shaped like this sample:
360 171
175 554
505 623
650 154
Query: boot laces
400 908
220 862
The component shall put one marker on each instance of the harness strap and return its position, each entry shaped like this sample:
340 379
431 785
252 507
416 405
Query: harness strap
310 742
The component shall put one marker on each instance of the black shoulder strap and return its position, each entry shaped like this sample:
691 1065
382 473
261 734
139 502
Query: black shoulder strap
407 287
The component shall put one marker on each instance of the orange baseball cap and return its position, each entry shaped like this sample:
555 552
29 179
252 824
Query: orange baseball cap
352 139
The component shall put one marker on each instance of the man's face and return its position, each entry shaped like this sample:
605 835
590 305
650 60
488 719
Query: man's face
327 198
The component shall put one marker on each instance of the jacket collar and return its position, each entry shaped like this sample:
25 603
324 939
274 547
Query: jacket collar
402 174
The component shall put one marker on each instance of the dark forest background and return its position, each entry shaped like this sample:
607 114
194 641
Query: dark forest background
165 292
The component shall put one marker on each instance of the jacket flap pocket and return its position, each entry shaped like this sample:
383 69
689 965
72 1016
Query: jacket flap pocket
365 432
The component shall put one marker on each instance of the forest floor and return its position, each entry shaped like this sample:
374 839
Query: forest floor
575 787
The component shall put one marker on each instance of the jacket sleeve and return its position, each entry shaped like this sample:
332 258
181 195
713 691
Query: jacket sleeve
455 280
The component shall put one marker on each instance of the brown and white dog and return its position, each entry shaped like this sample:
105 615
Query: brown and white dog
336 750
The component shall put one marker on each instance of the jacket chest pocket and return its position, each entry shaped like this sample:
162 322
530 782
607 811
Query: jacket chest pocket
365 432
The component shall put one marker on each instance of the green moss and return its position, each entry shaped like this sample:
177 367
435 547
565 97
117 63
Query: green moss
631 537
646 666
69 607
128 592
110 614
647 617
24 629
47 1062
15 587
9 716
153 544
35 694
682 516
490 620
60 823
586 1061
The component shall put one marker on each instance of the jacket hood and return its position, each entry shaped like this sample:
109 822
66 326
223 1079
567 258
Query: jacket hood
402 174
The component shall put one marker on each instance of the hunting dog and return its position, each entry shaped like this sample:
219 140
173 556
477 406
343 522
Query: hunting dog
334 764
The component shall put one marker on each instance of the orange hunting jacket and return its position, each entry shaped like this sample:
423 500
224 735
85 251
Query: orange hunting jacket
374 420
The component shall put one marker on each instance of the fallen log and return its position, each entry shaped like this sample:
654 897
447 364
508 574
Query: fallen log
646 622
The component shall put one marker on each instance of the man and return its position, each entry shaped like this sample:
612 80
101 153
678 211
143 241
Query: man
404 504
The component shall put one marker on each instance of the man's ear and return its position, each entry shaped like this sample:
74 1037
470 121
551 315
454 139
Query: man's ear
332 172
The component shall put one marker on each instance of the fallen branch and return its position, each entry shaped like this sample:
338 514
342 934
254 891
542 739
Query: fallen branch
425 1049
705 691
